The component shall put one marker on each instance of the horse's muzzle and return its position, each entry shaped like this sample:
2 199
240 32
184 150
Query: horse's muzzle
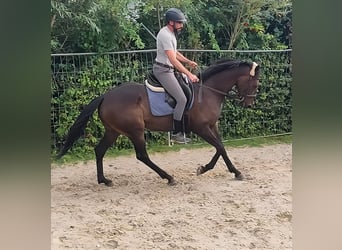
248 103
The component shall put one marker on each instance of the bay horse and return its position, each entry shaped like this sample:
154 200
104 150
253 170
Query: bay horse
125 110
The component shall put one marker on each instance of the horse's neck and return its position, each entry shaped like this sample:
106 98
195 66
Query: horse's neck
222 82
206 90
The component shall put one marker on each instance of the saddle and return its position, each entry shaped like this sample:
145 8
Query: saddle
154 85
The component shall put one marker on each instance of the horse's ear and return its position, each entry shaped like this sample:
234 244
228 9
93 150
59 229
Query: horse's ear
252 72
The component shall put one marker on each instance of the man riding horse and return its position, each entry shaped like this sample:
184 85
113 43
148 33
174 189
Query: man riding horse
168 60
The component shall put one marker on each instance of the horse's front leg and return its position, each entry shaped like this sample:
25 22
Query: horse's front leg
210 165
212 136
230 165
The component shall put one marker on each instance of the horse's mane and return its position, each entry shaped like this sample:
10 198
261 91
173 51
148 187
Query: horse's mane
222 64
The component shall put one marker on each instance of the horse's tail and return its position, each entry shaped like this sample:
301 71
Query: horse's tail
77 129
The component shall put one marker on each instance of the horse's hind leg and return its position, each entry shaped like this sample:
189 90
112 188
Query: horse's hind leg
139 143
108 139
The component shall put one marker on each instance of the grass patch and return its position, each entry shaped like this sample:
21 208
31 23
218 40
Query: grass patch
75 156
260 141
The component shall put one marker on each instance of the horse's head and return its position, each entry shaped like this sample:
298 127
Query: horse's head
247 86
239 77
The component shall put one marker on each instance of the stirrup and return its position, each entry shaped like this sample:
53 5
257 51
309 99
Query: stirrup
179 138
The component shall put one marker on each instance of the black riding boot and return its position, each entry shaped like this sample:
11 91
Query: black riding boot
177 135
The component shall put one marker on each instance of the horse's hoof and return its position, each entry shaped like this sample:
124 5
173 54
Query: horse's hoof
239 177
109 183
200 170
172 182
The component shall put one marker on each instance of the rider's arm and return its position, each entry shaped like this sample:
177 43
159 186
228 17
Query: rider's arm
172 55
183 59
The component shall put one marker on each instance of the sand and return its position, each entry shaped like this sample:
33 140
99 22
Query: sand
210 211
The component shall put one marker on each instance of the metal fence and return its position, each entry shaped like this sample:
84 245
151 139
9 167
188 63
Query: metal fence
274 99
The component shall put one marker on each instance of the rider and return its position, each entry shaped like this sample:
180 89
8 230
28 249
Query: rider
169 59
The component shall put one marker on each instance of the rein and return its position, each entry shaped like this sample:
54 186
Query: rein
234 96
212 89
201 85
221 92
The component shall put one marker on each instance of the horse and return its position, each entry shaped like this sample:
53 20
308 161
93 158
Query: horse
125 110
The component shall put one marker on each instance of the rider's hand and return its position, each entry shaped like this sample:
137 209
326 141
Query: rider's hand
193 78
193 64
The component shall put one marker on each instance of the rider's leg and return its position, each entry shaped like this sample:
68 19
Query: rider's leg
167 78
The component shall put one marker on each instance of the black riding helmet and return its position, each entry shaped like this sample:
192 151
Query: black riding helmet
174 14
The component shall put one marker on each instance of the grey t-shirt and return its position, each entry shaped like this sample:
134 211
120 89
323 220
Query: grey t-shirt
166 40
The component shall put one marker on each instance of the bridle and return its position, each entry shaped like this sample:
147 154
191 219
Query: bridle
235 95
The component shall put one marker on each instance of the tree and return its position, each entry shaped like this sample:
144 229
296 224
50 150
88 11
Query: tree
108 25
93 25
68 17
